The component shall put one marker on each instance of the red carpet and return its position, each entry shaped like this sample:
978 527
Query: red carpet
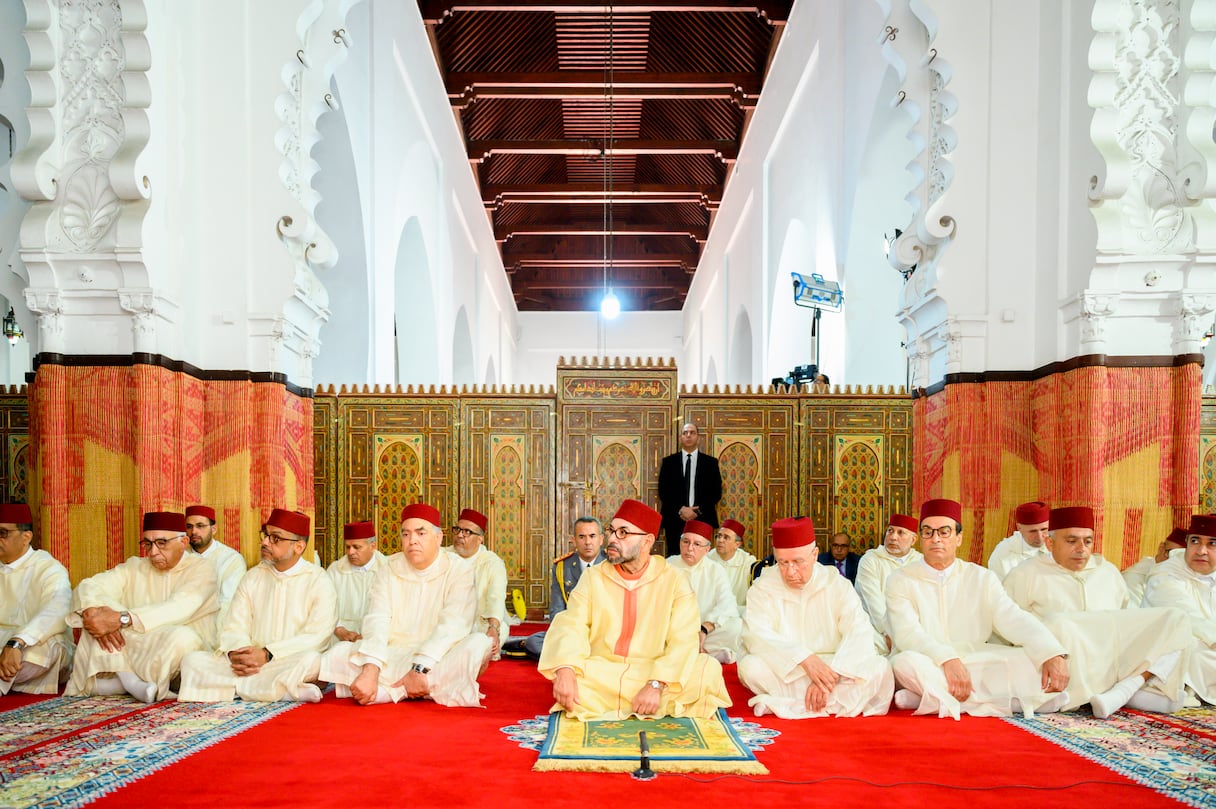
339 754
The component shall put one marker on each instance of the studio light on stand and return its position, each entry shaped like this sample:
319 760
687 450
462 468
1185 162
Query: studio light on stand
12 329
812 291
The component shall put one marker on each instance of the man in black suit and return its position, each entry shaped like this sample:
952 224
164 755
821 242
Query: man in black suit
690 486
840 556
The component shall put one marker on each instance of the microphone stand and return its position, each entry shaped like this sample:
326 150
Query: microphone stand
643 772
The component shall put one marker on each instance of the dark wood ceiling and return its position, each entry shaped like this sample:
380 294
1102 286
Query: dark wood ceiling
527 82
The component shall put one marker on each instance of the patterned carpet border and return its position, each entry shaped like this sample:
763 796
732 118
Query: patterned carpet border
718 744
1174 754
128 741
31 725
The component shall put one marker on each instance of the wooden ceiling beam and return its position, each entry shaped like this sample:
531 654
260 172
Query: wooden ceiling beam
620 277
560 191
494 197
589 247
742 89
726 151
698 233
776 12
517 261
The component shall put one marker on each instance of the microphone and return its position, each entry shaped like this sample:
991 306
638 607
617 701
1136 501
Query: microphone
643 772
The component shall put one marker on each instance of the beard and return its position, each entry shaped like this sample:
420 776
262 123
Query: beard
616 555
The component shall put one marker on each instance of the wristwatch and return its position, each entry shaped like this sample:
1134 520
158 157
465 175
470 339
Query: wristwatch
124 619
655 684
421 669
15 643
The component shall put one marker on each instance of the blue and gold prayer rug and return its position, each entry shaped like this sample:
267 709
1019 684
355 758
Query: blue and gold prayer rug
1174 754
718 744
72 750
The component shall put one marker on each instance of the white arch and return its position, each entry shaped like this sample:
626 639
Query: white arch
347 346
417 360
741 349
464 366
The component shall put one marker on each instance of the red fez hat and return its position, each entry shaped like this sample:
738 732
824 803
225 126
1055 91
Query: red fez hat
735 526
1203 524
793 532
16 513
1071 517
1177 537
701 529
201 511
421 511
942 508
903 521
475 517
164 521
1033 513
293 522
641 515
359 530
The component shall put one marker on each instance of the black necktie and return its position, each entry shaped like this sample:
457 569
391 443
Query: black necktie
687 473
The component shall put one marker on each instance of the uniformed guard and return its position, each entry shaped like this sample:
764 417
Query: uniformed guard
588 540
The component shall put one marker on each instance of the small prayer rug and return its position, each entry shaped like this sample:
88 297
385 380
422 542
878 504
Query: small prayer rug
1174 754
677 744
72 750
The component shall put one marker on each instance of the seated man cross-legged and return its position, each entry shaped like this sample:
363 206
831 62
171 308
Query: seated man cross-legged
419 635
720 623
281 617
143 617
626 644
810 648
1118 656
942 611
35 597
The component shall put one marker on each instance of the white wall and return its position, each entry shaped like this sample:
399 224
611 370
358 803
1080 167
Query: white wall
434 271
546 336
789 206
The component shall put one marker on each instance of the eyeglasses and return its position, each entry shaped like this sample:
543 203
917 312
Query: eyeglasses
792 563
6 533
945 532
161 544
620 532
275 539
464 532
690 543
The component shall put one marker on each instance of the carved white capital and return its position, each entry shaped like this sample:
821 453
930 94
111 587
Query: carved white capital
48 305
1195 315
142 306
1095 311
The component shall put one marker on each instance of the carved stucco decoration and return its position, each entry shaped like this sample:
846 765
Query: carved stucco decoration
88 126
324 44
1139 208
911 47
14 97
911 44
